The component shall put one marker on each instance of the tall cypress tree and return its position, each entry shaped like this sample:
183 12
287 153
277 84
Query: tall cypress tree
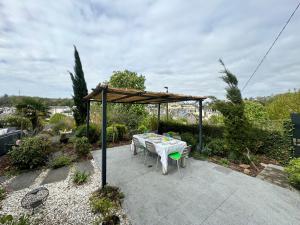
79 89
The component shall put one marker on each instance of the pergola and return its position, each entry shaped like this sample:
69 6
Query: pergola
104 93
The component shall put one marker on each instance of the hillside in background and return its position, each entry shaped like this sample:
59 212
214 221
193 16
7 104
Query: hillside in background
6 100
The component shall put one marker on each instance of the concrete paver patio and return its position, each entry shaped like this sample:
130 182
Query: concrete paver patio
206 194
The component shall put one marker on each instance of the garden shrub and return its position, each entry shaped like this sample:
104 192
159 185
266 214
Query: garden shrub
60 161
150 122
16 121
80 177
190 139
31 153
122 131
211 131
293 171
142 129
82 146
216 147
112 134
94 132
61 122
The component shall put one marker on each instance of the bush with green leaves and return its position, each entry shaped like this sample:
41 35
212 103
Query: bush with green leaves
61 122
122 131
16 121
10 220
293 171
82 146
94 132
80 177
112 134
190 139
216 147
142 129
60 161
209 131
31 153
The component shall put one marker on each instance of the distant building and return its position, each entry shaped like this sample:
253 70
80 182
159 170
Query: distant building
186 110
66 110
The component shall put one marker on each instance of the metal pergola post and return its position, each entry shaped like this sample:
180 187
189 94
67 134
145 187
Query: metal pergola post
158 116
87 118
103 136
200 144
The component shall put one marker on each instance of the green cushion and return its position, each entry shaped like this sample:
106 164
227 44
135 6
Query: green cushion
175 155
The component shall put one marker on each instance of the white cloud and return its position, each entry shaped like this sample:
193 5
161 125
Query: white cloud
173 43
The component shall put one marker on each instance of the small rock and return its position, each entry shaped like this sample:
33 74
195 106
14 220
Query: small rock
263 164
246 171
245 166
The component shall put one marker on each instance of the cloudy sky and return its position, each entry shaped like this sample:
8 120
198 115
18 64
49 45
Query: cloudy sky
175 43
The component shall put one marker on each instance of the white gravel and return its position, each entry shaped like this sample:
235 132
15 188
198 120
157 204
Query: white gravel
67 204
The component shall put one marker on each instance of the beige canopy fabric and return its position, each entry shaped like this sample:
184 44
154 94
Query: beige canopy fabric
125 95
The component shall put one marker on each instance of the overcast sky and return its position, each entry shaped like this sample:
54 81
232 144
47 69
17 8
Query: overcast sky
175 43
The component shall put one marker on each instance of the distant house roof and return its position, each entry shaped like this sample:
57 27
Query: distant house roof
125 95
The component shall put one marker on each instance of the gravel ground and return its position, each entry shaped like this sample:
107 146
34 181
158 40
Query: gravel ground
67 203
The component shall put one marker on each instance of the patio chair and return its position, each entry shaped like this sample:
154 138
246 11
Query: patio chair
176 156
138 145
150 148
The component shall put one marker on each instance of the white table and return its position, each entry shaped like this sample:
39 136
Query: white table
163 145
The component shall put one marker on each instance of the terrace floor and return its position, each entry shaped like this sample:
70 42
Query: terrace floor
206 194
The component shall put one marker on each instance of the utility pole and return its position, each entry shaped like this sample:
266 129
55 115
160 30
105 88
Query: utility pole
167 90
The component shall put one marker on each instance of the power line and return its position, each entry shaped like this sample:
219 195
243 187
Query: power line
263 58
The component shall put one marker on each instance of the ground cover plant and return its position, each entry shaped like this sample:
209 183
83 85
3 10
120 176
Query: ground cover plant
106 201
60 161
80 177
293 171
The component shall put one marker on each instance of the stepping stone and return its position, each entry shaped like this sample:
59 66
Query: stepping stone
85 166
56 175
23 180
274 175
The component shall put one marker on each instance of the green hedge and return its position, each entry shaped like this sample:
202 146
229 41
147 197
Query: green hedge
94 132
209 131
16 121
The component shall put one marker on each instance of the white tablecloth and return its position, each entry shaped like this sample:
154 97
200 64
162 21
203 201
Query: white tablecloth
163 145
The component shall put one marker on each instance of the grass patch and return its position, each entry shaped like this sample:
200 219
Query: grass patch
80 177
105 201
61 161
224 162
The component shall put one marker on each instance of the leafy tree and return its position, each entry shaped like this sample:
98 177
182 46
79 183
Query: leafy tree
32 109
235 121
79 89
281 106
128 114
255 111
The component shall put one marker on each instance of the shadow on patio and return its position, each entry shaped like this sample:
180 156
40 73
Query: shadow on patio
206 194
